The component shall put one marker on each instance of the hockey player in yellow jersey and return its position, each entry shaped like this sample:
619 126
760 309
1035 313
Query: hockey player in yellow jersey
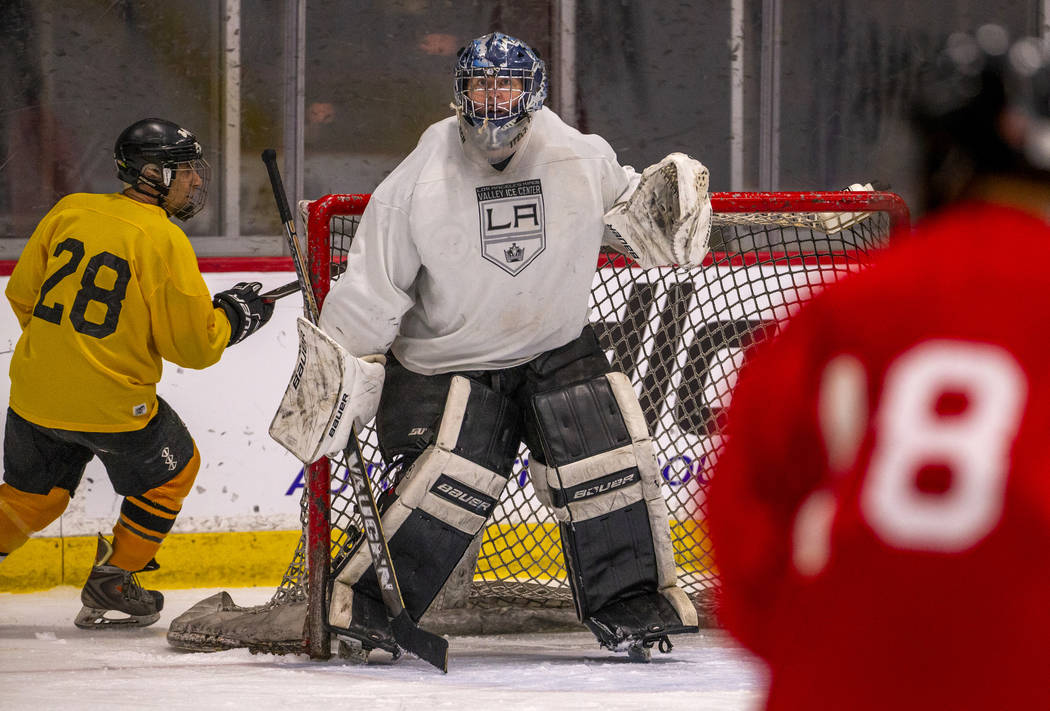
105 290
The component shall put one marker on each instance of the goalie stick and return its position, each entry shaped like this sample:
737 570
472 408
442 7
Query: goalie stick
409 636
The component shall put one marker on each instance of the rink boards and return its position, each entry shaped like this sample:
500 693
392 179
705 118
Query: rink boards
243 512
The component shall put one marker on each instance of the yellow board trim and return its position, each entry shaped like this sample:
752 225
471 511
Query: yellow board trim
259 558
187 560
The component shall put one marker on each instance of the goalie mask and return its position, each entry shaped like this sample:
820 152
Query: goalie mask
161 159
500 82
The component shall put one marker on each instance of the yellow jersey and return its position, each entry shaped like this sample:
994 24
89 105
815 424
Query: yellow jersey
104 290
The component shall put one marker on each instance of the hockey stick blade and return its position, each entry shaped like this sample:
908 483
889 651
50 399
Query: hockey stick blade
280 292
427 646
293 287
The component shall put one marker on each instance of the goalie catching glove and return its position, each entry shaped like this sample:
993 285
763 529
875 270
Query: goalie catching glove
330 392
245 309
667 219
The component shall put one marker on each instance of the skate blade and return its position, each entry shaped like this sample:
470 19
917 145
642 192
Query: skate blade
640 653
367 640
93 618
352 650
640 649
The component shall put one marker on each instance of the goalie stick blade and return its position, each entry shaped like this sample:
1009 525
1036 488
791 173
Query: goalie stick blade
429 647
407 637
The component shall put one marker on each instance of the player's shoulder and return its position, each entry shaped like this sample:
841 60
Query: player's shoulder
437 149
953 238
984 221
557 138
939 264
81 201
126 214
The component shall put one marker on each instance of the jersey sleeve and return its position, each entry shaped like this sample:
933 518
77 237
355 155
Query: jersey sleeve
187 329
772 460
23 288
363 310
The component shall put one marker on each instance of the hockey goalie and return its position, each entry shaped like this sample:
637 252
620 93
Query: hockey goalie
461 326
463 318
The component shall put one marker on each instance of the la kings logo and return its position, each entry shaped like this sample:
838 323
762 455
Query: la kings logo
513 231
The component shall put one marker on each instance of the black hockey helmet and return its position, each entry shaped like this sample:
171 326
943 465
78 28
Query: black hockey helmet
983 107
152 152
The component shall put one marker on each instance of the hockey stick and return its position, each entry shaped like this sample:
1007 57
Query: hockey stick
293 287
408 635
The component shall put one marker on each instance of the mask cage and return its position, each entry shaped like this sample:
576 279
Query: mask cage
197 194
499 95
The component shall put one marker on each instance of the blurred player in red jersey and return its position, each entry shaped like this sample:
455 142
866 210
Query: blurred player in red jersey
881 512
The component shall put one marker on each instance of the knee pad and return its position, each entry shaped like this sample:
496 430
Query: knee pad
442 503
602 481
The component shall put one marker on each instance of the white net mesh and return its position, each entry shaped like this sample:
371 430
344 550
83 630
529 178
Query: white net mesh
679 334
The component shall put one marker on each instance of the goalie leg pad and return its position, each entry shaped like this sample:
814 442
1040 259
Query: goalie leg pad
602 479
442 503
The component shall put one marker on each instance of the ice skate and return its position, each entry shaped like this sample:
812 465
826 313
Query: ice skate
109 590
636 625
369 628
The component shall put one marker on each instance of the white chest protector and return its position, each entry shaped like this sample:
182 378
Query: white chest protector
459 266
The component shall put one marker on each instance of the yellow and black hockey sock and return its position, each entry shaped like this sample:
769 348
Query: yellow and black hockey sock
147 518
23 514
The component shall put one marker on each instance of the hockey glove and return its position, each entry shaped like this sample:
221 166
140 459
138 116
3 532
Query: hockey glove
330 391
667 218
245 309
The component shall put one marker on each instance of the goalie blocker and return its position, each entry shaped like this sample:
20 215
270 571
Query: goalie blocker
329 392
592 463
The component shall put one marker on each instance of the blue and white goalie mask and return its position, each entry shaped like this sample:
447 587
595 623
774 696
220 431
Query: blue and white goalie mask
500 82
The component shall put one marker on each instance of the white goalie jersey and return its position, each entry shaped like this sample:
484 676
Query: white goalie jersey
458 266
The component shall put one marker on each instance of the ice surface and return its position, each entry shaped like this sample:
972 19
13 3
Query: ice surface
46 663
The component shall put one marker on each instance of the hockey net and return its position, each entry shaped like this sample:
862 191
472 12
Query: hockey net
680 335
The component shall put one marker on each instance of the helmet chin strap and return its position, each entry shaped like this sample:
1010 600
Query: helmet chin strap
145 192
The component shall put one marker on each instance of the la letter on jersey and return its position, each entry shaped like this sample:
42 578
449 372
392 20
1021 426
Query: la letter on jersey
512 225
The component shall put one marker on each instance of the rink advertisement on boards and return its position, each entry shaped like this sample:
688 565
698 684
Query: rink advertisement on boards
248 482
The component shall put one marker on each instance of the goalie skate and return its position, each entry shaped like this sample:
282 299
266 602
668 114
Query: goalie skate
369 627
636 625
111 590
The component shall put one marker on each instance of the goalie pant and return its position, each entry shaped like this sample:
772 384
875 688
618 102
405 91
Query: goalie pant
592 463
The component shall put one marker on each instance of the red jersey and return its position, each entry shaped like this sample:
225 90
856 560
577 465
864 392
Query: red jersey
881 512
